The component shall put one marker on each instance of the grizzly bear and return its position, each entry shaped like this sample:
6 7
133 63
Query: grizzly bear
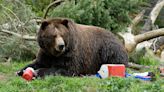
73 49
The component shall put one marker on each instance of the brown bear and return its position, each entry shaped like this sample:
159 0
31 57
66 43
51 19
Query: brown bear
74 49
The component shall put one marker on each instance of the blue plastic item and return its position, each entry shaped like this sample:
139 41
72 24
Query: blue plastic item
145 78
98 75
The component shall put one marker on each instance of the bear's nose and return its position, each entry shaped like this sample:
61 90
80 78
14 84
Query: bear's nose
61 47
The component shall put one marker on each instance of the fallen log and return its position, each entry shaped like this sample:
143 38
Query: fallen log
137 66
130 41
24 37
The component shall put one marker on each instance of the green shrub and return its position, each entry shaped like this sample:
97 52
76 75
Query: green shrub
15 17
18 49
110 14
38 6
144 57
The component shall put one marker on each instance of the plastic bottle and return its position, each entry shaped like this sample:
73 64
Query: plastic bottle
28 74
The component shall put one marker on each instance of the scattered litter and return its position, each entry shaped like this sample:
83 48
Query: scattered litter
118 70
146 76
108 70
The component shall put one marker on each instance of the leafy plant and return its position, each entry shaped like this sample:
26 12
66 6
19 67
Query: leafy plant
110 14
16 17
144 57
38 6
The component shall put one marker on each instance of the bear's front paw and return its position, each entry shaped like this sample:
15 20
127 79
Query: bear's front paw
19 73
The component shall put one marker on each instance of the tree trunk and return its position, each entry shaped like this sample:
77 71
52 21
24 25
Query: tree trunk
149 24
131 41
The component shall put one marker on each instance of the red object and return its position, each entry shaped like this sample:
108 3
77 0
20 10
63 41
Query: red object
116 70
28 74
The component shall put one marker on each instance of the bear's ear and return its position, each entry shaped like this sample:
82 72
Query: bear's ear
44 25
65 22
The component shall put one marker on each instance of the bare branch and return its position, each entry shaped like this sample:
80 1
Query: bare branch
55 3
135 21
25 37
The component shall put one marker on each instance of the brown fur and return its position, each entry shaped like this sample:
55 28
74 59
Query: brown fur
86 48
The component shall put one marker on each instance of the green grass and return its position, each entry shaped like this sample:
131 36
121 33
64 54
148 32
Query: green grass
11 83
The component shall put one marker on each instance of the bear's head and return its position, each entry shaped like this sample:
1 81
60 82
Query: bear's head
53 36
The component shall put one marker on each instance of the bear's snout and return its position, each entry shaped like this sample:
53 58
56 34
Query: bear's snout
60 45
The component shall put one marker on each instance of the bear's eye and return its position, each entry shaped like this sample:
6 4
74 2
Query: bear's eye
44 25
54 36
